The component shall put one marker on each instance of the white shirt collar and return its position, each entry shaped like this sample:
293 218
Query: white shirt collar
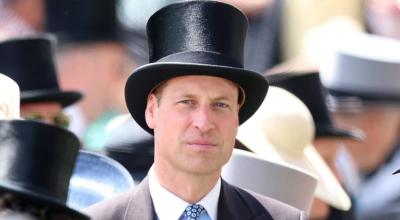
168 206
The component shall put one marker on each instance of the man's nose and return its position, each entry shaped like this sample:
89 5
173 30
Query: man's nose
203 119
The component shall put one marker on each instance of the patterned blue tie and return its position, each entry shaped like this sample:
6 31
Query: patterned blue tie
193 212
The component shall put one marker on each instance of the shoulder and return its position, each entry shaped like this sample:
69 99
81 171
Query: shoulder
134 204
114 208
277 209
251 205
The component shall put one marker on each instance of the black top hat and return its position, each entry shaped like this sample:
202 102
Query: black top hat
195 37
308 88
36 163
77 21
29 62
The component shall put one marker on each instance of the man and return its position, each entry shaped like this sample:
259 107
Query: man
192 97
36 163
93 58
29 62
362 78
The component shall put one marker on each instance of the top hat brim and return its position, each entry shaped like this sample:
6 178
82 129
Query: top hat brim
145 78
93 168
39 199
328 131
365 97
65 98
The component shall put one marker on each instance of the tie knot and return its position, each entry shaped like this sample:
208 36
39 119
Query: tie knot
192 212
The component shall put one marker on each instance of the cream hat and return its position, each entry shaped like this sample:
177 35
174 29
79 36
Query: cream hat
9 98
259 180
282 130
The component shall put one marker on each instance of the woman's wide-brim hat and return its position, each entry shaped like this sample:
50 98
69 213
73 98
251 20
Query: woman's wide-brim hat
195 38
282 130
30 62
299 195
36 163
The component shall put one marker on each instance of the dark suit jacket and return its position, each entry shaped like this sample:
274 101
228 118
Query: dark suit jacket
233 204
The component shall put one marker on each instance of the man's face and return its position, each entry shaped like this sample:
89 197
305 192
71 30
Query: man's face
195 121
48 112
381 126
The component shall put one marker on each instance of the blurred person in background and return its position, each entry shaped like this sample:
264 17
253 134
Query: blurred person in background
20 17
92 58
383 17
362 77
30 62
36 163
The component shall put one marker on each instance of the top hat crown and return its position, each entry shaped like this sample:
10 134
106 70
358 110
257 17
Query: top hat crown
36 162
29 62
195 37
308 88
76 21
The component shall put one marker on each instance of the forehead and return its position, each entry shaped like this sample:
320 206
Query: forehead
192 82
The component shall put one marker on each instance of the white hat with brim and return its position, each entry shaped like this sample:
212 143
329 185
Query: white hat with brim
282 130
261 175
9 98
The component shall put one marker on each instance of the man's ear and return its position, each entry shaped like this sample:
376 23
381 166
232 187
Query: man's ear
150 108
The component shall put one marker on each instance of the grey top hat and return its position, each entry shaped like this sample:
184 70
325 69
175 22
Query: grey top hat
363 68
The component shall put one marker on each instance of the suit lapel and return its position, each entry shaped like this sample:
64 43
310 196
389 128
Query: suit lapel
232 205
140 205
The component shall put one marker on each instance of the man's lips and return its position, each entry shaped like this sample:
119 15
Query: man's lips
201 144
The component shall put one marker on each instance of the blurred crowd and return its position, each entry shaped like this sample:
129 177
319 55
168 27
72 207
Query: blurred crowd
330 124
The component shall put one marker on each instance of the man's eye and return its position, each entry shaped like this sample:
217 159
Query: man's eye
186 101
221 105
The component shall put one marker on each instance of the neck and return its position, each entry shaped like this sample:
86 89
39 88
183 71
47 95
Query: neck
189 187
